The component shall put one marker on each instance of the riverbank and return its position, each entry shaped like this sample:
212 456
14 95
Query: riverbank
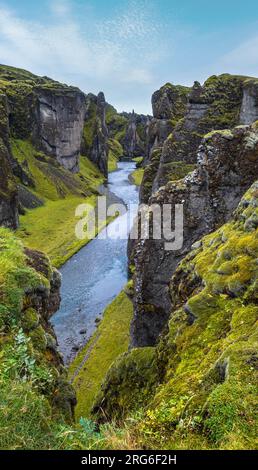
47 221
91 364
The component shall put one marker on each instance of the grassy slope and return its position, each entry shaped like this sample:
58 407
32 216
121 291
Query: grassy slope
137 176
109 341
51 227
115 151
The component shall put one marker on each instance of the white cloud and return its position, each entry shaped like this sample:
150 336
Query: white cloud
106 54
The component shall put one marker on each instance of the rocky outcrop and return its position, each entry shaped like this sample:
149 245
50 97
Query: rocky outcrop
215 105
135 135
222 102
60 115
8 189
169 106
49 113
99 150
39 304
169 102
227 165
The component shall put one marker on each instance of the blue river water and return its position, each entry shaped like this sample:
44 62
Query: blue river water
94 276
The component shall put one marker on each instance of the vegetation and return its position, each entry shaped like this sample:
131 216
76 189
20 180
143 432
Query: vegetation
115 152
51 226
92 362
33 389
137 176
204 396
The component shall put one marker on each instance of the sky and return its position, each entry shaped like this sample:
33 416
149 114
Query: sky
129 48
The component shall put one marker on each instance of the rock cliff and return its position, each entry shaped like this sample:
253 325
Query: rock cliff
46 127
99 150
8 190
222 102
227 164
60 115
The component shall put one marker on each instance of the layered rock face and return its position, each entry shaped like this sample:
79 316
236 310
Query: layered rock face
99 150
169 106
8 190
48 112
135 136
59 125
227 165
222 102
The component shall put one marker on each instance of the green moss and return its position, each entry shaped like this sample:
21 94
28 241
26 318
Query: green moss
38 338
89 127
89 368
207 395
115 152
15 276
137 176
51 228
227 133
30 319
176 170
138 160
116 123
128 385
149 174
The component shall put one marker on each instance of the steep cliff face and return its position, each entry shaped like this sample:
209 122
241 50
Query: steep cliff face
222 102
169 106
48 112
197 388
8 189
227 165
60 115
99 151
135 135
43 128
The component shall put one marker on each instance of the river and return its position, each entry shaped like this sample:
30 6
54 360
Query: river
94 276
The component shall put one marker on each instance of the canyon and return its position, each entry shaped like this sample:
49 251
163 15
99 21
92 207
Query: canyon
173 362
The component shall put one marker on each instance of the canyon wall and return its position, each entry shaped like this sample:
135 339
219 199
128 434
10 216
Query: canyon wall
226 165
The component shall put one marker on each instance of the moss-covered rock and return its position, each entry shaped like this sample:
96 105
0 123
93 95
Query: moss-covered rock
128 385
221 103
30 319
29 296
208 196
8 188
